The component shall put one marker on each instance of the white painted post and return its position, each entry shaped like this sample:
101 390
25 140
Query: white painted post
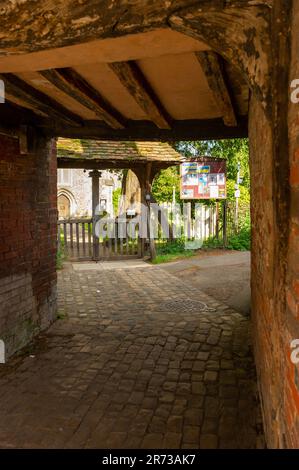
2 352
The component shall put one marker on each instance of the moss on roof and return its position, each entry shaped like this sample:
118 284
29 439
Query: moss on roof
111 150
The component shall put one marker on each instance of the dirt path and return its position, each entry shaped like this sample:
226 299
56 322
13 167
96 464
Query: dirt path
225 275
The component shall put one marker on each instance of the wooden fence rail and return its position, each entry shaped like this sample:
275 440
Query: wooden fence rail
76 239
121 238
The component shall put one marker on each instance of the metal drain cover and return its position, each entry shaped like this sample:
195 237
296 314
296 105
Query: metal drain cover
185 306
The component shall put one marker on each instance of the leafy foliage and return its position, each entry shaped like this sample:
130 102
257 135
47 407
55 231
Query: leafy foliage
163 185
115 199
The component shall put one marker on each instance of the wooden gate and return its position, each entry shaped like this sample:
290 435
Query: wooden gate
76 241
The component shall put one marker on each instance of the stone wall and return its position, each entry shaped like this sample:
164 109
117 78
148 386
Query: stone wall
28 215
78 191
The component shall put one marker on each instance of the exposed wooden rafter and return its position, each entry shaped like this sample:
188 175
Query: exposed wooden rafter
212 67
39 101
75 86
136 84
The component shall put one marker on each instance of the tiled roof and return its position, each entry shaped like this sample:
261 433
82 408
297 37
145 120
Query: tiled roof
111 150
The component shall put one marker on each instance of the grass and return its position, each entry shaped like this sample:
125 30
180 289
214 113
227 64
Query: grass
172 251
173 257
60 255
176 250
60 315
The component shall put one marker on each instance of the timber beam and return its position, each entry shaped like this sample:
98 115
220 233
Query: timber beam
75 86
144 130
213 70
102 164
78 22
40 102
136 84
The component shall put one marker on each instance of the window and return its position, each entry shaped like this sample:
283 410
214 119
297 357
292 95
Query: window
64 177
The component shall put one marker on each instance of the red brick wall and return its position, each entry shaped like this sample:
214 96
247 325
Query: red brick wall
28 214
275 270
265 314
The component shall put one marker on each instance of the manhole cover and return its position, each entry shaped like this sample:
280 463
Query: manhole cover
185 306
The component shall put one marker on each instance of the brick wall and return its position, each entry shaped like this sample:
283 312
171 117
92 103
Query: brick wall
265 314
275 265
28 214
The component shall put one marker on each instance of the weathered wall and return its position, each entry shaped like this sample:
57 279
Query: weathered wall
291 322
275 259
264 312
28 214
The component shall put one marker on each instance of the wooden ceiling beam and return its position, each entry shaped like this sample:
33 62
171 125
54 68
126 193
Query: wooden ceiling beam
74 85
98 164
137 86
213 70
40 102
208 129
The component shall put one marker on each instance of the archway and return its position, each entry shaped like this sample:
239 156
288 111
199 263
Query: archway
64 206
66 203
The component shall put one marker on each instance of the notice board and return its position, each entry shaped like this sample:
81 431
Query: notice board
203 178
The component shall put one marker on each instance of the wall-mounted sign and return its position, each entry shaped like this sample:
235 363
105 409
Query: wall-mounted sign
203 178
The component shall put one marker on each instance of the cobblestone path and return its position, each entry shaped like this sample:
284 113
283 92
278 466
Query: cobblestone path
138 358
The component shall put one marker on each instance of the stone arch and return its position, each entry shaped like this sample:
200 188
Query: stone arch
69 195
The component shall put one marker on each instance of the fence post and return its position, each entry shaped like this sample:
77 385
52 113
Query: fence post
217 220
58 237
187 221
95 177
225 223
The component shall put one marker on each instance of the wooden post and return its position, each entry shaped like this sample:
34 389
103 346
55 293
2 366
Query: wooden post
147 199
217 220
95 177
225 223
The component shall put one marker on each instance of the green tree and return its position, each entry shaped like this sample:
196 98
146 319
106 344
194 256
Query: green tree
164 182
115 199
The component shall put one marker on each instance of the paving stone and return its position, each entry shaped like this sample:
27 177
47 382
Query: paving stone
191 434
210 376
208 441
175 424
193 416
198 388
119 371
152 441
172 440
209 425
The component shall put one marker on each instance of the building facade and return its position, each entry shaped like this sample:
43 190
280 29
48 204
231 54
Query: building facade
74 196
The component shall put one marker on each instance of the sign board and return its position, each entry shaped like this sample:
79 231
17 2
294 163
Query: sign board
203 178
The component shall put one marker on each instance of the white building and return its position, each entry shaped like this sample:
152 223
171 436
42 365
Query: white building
74 192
